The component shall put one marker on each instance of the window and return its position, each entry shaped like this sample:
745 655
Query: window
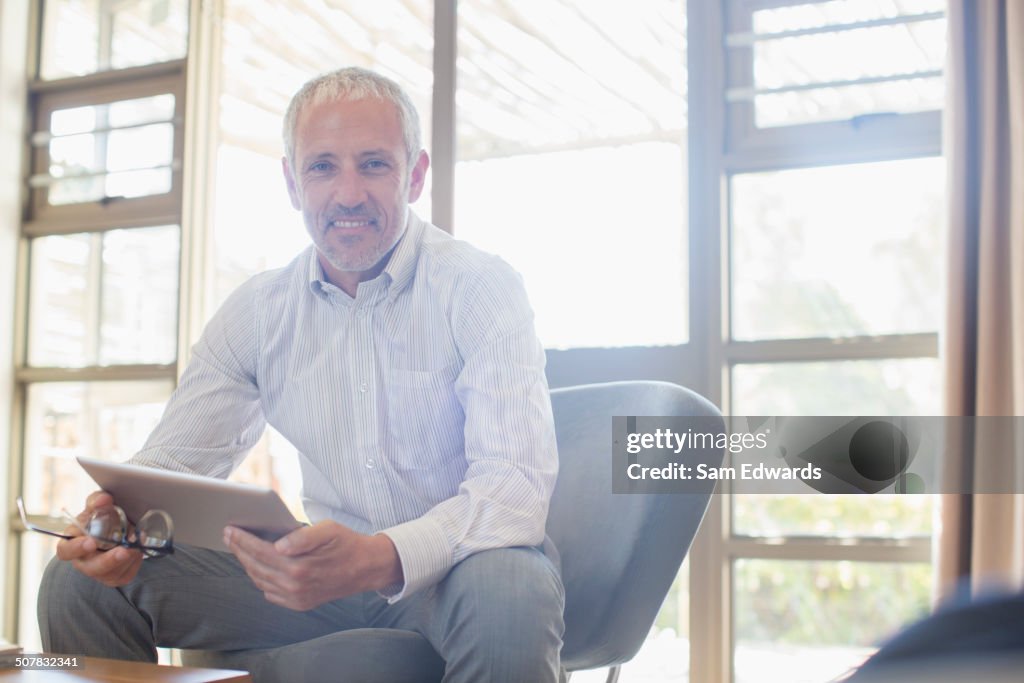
791 78
564 142
104 156
81 37
845 250
104 298
833 244
102 244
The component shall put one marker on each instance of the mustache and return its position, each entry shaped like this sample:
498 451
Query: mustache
346 214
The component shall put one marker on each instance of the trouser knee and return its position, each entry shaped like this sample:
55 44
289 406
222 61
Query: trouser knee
509 601
519 583
78 615
62 594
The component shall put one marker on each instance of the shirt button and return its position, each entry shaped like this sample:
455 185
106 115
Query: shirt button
370 463
364 387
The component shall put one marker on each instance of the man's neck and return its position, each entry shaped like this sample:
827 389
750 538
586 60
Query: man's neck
348 280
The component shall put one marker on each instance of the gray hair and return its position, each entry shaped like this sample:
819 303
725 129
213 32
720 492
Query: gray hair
353 83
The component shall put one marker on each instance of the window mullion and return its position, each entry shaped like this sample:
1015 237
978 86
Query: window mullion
922 345
96 373
865 139
805 548
198 146
121 78
94 297
443 134
137 218
749 38
710 650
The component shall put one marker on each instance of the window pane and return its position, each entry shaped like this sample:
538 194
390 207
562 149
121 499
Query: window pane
886 387
255 226
881 516
809 622
566 143
139 313
843 102
820 57
121 149
888 51
838 251
813 15
36 551
104 298
84 36
861 387
64 420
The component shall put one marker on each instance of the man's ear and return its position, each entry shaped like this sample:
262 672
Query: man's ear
418 175
289 179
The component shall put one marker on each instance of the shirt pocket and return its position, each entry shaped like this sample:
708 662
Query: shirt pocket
425 418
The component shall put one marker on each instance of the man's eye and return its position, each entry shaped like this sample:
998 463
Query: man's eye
320 167
375 165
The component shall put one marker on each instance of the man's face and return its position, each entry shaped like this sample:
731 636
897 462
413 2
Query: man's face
353 183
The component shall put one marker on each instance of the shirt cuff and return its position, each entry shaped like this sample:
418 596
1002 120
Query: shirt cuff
425 554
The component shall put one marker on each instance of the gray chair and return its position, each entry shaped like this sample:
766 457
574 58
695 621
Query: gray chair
619 555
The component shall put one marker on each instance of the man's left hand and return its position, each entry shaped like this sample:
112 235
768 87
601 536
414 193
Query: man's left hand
316 564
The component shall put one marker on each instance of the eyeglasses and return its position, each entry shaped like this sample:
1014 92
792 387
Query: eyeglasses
153 534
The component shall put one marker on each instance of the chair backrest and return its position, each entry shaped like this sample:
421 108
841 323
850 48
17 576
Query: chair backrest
619 552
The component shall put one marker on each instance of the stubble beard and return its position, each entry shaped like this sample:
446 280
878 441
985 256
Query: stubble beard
365 256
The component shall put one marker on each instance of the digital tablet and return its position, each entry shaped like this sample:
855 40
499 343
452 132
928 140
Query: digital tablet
200 507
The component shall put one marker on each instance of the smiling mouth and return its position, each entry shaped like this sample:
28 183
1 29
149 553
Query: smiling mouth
358 223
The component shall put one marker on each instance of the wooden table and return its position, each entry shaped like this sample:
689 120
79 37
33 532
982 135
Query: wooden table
96 670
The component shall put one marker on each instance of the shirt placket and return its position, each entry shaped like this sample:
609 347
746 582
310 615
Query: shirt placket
366 411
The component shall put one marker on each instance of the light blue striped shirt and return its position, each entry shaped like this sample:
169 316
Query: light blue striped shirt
419 408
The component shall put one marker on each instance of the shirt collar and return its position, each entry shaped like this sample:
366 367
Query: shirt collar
317 277
402 265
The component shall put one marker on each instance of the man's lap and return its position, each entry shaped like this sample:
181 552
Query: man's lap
202 599
199 598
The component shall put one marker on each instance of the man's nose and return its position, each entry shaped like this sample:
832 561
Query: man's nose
349 188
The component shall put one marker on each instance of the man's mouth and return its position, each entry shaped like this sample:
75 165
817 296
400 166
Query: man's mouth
351 226
350 222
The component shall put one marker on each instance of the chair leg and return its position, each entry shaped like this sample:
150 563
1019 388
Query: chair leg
613 674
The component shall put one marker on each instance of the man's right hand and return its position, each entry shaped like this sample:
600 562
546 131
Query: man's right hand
115 567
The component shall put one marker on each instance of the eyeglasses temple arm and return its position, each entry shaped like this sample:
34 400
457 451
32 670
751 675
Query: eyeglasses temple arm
73 521
32 527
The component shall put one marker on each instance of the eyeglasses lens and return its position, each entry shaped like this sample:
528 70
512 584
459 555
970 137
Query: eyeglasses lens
108 526
155 530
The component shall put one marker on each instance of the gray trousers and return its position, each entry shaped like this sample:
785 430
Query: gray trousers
496 616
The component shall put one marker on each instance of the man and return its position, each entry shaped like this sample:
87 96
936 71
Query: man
404 367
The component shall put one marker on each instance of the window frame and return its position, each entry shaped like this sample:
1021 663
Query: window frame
92 217
742 149
859 138
96 89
